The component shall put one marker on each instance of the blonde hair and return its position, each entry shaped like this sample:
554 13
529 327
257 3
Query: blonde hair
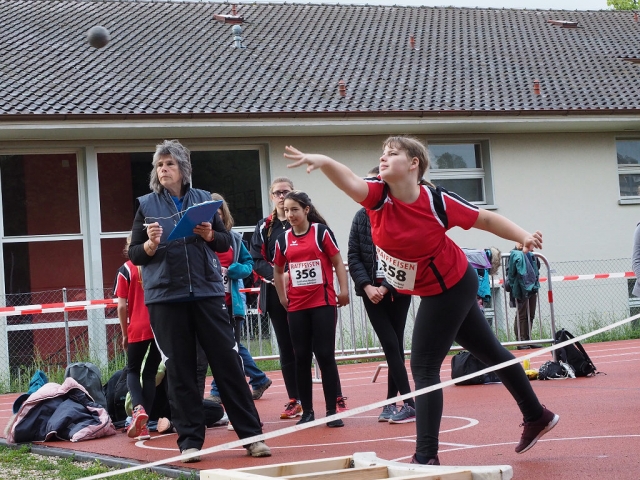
274 212
226 216
413 148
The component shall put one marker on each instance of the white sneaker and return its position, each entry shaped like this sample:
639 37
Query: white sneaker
259 449
192 459
223 421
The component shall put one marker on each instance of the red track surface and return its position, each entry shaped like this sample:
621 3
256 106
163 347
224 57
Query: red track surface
598 435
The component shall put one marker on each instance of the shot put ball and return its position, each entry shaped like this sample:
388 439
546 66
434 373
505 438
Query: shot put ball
98 36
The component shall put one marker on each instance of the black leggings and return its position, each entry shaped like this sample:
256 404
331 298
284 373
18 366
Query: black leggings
388 319
142 394
455 316
278 317
313 331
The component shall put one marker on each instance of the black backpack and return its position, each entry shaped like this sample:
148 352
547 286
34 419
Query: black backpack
463 363
87 375
574 355
115 391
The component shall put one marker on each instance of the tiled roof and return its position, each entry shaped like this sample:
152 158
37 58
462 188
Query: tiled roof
173 58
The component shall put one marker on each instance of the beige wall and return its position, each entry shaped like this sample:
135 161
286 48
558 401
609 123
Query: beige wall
565 185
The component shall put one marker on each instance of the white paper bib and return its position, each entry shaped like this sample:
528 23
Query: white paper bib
400 274
303 274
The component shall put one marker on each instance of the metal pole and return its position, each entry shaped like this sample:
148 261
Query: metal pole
67 341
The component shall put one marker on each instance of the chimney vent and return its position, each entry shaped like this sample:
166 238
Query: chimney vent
536 87
233 19
342 88
237 36
412 42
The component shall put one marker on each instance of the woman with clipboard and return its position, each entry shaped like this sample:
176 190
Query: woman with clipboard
185 295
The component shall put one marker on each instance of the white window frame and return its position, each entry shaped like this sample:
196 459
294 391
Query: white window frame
484 173
627 169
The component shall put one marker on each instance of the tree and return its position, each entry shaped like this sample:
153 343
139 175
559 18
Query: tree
623 4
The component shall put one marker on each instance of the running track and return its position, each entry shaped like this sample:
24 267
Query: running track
598 435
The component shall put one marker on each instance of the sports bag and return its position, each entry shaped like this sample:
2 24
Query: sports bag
555 371
463 363
115 391
574 355
88 375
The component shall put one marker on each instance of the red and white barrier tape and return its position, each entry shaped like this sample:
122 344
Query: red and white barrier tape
592 276
112 302
72 306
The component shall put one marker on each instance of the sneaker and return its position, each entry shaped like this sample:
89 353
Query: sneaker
387 412
431 461
164 425
192 459
406 414
139 421
334 423
258 392
230 427
144 434
341 405
534 430
307 417
222 422
292 409
258 449
214 398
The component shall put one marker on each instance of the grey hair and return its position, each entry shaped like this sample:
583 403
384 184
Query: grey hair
177 151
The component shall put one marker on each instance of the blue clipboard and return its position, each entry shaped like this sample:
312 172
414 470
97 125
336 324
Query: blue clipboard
193 216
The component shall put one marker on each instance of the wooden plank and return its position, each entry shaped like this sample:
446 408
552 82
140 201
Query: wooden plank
222 474
416 475
298 468
365 473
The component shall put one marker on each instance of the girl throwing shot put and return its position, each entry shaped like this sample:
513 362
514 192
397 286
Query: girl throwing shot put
409 219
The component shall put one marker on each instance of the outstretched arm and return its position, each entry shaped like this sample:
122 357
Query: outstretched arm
339 174
505 228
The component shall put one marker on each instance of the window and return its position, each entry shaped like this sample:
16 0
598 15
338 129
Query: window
628 153
462 168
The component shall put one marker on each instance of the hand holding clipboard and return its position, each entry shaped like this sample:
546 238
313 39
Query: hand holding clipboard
192 217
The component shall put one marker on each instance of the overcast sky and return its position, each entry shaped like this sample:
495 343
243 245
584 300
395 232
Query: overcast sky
530 4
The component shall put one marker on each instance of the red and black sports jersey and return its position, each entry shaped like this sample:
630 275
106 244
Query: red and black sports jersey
129 285
413 248
310 269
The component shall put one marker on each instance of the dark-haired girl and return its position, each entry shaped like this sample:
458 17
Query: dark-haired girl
310 250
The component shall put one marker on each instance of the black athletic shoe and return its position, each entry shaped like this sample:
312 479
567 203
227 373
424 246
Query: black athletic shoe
431 461
334 423
307 416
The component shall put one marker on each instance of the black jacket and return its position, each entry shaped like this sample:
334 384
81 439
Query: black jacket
182 269
362 255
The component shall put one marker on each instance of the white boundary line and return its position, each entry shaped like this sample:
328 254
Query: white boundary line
362 409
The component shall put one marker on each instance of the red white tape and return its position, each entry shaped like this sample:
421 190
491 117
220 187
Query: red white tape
592 276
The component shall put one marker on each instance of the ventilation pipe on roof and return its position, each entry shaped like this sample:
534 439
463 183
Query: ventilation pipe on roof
635 16
342 88
237 36
412 42
536 87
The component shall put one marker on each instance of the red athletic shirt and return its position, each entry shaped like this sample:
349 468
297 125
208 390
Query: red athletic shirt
129 286
413 248
310 268
226 259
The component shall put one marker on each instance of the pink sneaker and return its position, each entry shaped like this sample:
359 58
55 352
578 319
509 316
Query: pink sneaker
138 422
144 434
341 404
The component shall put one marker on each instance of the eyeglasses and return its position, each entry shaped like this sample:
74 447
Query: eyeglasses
280 193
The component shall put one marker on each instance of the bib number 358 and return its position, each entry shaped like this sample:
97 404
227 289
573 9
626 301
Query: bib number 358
398 273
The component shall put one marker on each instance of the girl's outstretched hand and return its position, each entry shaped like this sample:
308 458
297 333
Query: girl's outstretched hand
532 242
313 160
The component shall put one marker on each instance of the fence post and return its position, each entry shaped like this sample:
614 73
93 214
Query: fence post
67 342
